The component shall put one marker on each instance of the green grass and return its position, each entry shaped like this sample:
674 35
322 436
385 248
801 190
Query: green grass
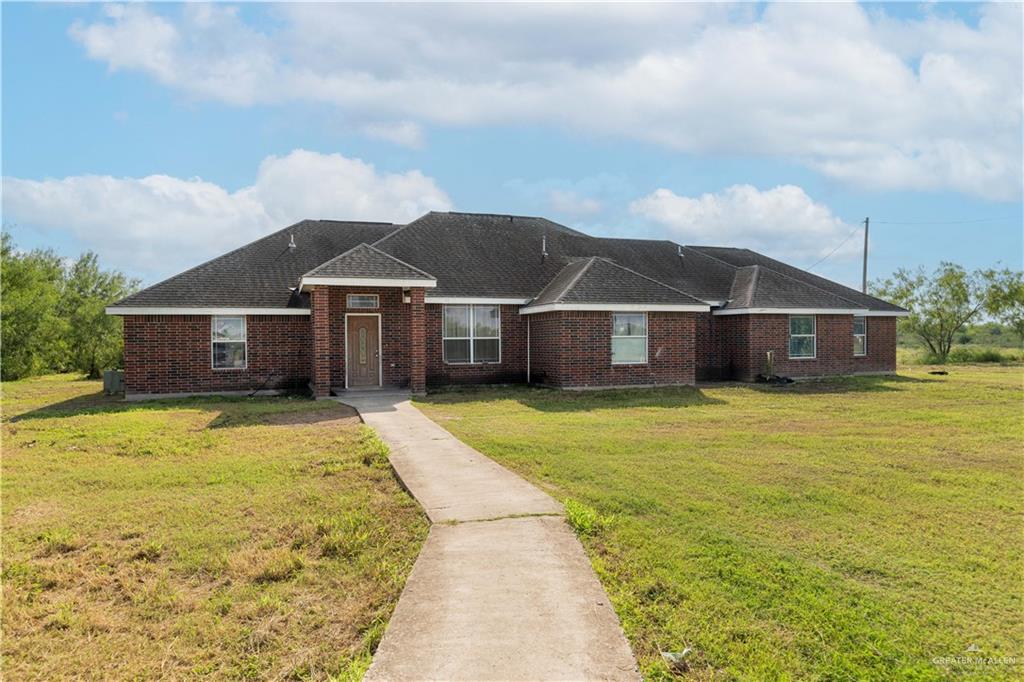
849 529
219 538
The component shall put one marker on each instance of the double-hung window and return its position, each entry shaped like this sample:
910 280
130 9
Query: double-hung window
629 338
802 337
860 335
471 334
228 338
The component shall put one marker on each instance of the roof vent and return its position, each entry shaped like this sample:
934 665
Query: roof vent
544 246
291 241
679 251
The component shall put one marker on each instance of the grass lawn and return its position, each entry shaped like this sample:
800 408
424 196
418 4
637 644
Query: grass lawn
850 529
221 538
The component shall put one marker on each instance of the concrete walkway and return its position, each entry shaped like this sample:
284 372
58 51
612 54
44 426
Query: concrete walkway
502 589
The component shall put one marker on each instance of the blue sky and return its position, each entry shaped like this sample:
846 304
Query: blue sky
160 136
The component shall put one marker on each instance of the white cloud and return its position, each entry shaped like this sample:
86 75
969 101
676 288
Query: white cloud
782 221
404 133
929 104
571 203
160 224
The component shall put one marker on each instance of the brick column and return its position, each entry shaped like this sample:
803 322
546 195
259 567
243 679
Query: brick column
417 342
319 303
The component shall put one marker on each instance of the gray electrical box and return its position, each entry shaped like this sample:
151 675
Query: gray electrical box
113 381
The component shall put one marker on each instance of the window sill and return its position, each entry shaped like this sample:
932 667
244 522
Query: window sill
229 369
810 357
471 364
628 364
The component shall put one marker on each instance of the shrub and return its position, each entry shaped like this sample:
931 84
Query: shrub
966 355
977 355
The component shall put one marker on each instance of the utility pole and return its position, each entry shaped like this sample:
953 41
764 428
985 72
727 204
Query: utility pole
864 280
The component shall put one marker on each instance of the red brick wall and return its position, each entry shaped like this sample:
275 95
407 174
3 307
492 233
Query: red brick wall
881 355
709 337
320 320
546 343
172 354
573 349
511 369
417 341
745 340
394 342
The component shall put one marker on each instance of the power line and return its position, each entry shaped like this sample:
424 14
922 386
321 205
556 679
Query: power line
906 222
938 222
829 254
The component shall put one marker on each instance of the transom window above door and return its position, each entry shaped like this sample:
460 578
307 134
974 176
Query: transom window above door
471 334
366 301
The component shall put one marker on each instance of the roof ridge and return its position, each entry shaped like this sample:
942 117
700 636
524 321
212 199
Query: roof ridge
576 278
391 234
640 274
808 284
811 274
708 255
352 222
398 260
754 281
494 215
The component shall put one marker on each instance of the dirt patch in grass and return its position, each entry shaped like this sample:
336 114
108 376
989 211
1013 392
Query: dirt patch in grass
224 538
858 528
342 415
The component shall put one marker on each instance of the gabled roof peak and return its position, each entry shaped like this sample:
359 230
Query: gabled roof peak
598 280
366 262
511 216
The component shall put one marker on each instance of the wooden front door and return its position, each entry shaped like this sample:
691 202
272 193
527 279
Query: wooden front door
362 358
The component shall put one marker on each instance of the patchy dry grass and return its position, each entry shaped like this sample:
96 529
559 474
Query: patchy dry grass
848 529
243 539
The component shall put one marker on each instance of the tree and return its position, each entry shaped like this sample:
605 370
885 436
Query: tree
1006 301
94 338
941 304
52 316
31 331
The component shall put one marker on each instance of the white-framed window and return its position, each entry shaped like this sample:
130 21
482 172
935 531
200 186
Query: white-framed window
803 340
860 335
227 335
367 301
471 334
629 338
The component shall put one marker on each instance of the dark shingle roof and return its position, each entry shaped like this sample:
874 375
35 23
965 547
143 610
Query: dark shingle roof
599 280
261 274
483 254
365 261
755 286
501 256
496 256
746 257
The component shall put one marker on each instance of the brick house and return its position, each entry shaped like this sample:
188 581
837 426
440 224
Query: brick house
477 298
